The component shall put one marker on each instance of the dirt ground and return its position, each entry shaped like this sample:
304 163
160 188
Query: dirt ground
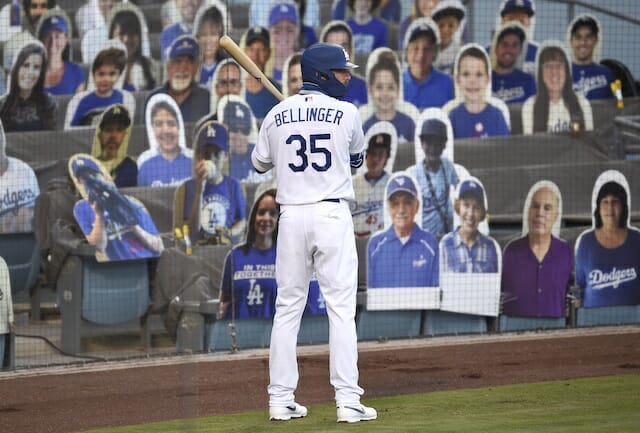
116 394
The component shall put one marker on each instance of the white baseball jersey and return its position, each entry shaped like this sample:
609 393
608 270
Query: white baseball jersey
308 137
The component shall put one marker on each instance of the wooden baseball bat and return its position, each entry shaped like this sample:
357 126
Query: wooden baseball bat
243 60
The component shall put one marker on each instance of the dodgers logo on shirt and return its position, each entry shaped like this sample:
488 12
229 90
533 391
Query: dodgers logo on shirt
213 213
600 280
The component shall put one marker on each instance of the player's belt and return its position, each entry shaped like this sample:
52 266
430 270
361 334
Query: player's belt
332 200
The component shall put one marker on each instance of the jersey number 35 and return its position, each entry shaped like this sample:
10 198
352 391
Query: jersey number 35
314 148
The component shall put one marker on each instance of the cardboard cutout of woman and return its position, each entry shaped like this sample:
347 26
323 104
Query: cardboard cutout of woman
608 255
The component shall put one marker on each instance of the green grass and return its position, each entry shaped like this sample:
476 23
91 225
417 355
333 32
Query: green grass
606 404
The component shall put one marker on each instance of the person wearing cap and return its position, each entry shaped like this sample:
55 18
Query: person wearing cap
368 208
449 16
208 29
27 107
436 175
168 161
182 66
110 145
63 76
522 11
465 249
339 32
369 32
118 225
187 10
257 46
404 255
104 88
284 28
424 86
508 81
19 184
591 79
241 124
537 267
211 203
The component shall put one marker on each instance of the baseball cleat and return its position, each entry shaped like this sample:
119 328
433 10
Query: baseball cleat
356 413
285 413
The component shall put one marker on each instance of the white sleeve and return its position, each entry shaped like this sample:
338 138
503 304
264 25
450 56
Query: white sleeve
260 156
586 112
527 115
357 139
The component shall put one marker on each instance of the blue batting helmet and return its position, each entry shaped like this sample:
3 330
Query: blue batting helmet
317 64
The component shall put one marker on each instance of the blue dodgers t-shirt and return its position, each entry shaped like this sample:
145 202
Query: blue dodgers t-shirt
513 87
252 278
157 171
404 124
608 276
356 91
92 106
369 36
592 81
72 77
223 204
487 123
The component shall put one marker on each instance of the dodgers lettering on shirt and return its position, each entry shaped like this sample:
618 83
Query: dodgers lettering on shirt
309 114
14 200
599 280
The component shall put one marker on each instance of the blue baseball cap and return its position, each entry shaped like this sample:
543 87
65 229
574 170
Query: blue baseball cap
258 33
284 11
518 5
401 182
423 29
470 188
237 117
213 133
184 45
53 22
84 166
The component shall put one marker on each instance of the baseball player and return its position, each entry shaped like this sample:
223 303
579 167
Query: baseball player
313 139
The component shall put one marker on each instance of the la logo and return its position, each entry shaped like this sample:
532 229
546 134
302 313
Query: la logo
211 131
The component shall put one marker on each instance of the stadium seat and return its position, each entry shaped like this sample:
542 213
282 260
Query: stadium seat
376 325
446 323
513 323
101 298
249 333
621 72
21 253
615 315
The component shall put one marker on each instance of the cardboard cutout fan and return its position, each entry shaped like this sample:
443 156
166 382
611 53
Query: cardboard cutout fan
118 225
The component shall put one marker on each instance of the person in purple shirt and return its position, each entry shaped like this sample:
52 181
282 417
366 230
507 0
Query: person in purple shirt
339 32
508 81
537 268
424 86
590 79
